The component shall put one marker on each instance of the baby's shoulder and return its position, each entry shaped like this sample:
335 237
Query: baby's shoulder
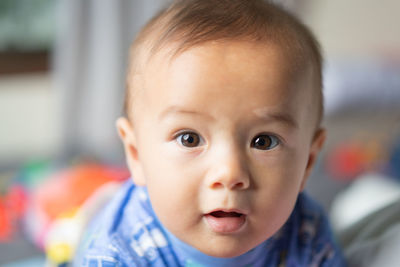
311 217
108 238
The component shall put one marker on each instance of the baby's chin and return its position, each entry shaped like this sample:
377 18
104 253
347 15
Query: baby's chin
225 247
226 251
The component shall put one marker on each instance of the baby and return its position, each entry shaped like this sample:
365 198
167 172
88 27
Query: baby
222 129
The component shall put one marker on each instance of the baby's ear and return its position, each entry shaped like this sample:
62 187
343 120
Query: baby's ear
316 146
125 131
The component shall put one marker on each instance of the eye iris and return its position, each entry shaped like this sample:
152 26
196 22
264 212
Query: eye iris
190 140
262 142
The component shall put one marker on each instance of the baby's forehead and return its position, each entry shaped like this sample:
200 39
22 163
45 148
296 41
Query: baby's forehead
250 63
229 49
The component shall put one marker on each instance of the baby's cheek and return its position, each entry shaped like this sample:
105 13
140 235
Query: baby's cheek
293 167
278 191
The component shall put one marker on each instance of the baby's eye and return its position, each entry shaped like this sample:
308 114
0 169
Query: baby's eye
189 139
264 142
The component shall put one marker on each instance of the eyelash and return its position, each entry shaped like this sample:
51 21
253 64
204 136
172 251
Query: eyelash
197 140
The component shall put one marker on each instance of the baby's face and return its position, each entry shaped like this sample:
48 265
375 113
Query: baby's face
222 138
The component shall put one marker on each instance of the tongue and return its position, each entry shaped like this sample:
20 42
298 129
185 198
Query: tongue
225 222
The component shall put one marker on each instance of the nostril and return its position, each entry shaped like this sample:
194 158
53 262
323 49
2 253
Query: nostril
239 185
217 185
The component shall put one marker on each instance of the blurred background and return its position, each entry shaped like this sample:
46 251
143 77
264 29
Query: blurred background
62 77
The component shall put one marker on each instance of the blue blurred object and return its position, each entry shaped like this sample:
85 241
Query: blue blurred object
394 161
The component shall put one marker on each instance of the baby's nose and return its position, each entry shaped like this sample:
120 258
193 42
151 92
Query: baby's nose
230 172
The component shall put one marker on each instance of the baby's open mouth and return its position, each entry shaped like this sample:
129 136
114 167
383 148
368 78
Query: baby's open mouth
223 214
225 221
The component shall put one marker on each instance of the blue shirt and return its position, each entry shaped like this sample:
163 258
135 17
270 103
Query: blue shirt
128 233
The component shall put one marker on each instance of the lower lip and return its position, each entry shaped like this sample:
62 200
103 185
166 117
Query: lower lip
225 225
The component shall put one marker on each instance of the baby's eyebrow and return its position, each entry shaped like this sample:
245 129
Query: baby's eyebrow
265 115
283 117
177 109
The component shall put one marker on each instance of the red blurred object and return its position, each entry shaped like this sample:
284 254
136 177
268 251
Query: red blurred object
5 222
346 161
17 199
12 209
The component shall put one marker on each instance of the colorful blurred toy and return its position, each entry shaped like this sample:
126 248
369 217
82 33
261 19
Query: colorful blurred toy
65 233
15 187
61 205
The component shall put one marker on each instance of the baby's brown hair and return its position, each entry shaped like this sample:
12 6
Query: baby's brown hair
187 23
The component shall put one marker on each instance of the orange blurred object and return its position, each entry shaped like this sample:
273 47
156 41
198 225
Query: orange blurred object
67 190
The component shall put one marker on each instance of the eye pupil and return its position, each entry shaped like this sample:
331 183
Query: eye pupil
190 140
260 141
265 142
